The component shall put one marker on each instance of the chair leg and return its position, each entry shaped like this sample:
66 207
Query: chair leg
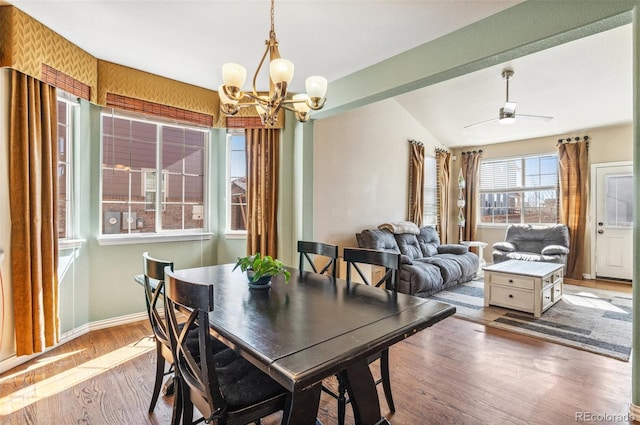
386 382
178 402
159 375
187 406
342 400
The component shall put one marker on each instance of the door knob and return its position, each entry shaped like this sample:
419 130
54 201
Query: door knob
600 231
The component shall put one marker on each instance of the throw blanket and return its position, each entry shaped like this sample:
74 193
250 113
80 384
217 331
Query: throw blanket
401 227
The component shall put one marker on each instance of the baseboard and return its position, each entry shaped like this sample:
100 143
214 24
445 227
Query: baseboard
15 361
634 413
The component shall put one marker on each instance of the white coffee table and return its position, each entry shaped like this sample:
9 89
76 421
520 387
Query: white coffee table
527 286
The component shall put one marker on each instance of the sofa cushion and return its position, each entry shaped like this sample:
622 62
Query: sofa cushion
504 246
420 278
531 256
377 239
555 250
468 262
450 270
408 244
533 239
428 240
453 248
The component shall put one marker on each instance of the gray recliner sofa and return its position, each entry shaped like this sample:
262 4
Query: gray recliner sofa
528 243
426 266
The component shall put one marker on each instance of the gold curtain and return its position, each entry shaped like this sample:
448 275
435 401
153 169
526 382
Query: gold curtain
33 165
416 182
263 165
471 173
574 182
443 172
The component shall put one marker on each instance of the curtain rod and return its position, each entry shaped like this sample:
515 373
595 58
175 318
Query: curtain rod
470 152
415 142
442 150
570 140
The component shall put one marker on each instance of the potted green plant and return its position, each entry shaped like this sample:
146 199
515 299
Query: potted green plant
260 269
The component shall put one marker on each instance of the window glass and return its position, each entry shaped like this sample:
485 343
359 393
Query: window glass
153 176
430 207
66 112
519 190
236 182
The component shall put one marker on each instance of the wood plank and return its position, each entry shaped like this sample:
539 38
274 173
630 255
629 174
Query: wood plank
454 372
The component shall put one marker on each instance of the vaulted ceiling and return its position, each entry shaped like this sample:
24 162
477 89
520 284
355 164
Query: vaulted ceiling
583 84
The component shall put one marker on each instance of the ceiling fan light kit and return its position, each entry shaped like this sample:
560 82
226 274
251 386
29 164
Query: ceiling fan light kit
281 74
507 114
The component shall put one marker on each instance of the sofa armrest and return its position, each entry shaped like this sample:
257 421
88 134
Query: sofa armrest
405 259
504 246
555 250
453 249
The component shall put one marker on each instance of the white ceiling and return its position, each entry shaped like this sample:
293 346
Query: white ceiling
583 84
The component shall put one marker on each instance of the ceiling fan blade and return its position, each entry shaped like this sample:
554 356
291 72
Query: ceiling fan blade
481 122
533 117
510 108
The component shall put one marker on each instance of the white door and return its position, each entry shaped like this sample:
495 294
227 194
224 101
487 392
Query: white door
614 222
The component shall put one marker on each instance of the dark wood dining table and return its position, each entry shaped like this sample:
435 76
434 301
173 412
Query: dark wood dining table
311 328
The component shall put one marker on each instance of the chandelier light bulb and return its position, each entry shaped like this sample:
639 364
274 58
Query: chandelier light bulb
281 71
233 74
316 87
300 104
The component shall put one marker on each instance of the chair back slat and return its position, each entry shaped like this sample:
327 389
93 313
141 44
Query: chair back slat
197 371
307 249
389 260
154 280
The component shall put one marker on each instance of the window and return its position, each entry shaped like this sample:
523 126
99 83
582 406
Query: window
236 182
153 176
519 190
430 207
66 113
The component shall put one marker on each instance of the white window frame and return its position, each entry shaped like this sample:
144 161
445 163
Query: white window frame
230 233
518 189
159 235
72 109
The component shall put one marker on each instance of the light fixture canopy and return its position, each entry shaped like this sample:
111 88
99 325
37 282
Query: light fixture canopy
281 74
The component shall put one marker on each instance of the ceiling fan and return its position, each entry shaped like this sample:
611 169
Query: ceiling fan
507 114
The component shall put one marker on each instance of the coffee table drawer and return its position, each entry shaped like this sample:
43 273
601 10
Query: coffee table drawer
524 282
512 297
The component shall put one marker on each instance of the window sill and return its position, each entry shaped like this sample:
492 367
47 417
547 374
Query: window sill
70 243
152 238
235 235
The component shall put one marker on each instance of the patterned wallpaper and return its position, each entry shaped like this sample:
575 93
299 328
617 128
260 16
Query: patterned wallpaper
26 44
118 79
31 44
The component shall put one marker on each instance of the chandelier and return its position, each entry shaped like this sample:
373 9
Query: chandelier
281 74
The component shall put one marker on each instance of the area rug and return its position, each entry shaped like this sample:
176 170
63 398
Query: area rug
589 319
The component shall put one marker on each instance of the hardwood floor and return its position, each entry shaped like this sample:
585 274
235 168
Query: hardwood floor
456 372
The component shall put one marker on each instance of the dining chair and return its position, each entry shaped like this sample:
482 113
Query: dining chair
225 388
391 263
153 289
153 282
308 249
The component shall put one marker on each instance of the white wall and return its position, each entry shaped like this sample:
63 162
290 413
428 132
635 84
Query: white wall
607 144
360 169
